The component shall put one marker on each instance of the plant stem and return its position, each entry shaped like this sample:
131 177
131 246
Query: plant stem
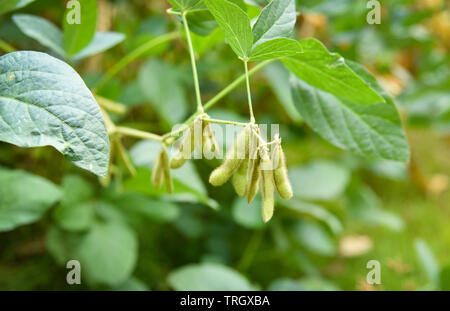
8 48
110 105
133 55
123 154
249 94
250 250
194 66
137 133
220 95
224 122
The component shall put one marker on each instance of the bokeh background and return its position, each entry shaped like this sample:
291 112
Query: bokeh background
346 211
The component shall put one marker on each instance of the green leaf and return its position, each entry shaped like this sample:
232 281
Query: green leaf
329 72
275 48
248 215
42 31
314 238
208 277
445 278
316 211
186 5
319 180
76 217
276 20
143 207
76 190
44 102
7 5
61 244
162 85
235 25
101 42
108 253
427 260
373 131
78 35
24 198
278 78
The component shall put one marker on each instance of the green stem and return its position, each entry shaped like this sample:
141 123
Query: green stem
133 55
137 133
250 250
249 94
225 122
221 95
8 48
194 66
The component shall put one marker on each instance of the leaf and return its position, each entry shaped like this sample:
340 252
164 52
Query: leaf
108 253
7 5
278 78
162 85
78 35
76 217
144 207
329 72
76 190
319 180
24 198
235 25
208 277
101 42
427 260
314 238
276 20
44 102
315 211
42 31
372 131
248 215
275 48
186 5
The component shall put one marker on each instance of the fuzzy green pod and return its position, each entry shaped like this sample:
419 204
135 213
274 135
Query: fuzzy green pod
186 148
240 178
233 159
253 184
158 171
280 173
168 182
267 190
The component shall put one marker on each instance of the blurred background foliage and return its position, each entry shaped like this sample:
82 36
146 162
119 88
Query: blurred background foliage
346 210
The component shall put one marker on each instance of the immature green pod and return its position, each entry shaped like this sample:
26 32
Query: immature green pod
253 184
168 182
267 189
158 171
240 178
185 150
233 159
280 173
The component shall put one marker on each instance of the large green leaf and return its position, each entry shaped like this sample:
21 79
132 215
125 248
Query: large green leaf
44 102
42 31
208 277
24 198
275 48
276 20
79 35
108 253
314 238
102 41
235 25
329 72
373 131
